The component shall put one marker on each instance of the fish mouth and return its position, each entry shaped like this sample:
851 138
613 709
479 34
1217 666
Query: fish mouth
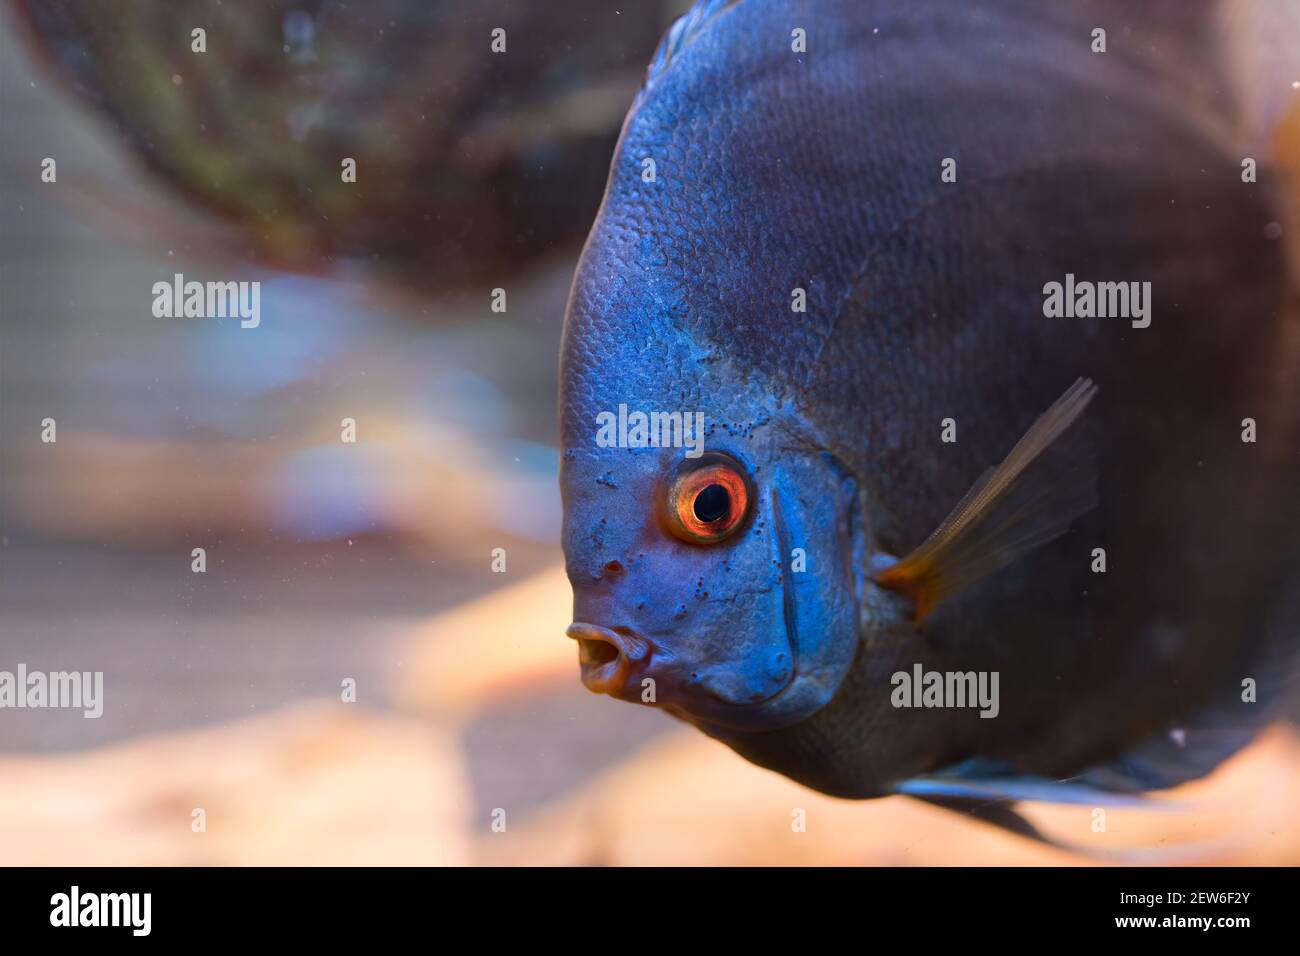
607 655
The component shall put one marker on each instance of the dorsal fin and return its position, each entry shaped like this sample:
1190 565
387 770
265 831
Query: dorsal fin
682 33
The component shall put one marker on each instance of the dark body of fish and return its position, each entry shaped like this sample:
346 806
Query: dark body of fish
776 170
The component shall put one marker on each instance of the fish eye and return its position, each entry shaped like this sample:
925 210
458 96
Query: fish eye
709 501
712 503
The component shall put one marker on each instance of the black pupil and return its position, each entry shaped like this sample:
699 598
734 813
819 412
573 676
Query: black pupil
712 503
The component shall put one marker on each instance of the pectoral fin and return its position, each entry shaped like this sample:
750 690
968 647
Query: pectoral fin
1046 482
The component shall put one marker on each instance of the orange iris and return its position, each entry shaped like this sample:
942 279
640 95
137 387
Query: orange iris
708 503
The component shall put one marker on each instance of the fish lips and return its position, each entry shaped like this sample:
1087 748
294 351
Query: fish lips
608 656
612 658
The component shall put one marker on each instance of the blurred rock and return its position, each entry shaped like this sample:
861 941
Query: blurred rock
321 784
505 644
426 483
691 801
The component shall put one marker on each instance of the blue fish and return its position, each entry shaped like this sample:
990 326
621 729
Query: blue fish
981 317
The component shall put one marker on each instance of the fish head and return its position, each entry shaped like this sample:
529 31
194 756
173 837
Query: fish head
719 580
716 577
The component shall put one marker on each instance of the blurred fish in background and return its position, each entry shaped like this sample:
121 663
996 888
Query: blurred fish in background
470 166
